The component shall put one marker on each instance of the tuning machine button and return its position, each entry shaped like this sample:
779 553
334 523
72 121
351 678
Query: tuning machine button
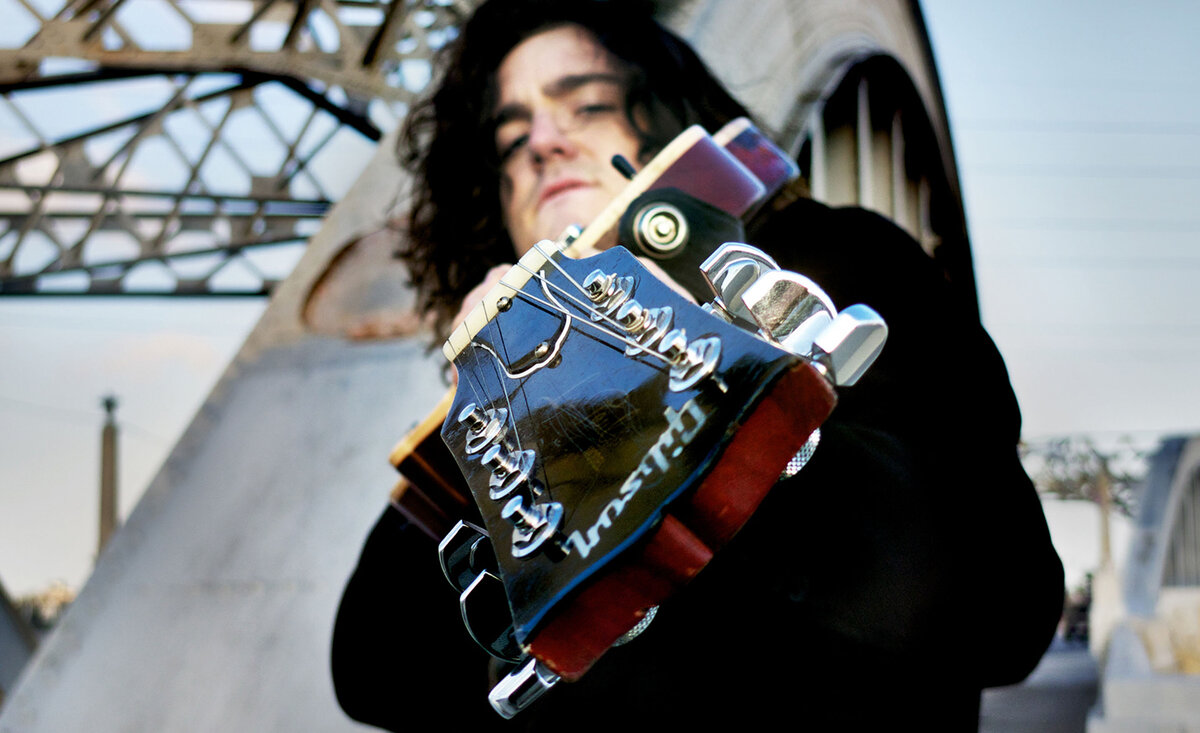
850 344
789 308
521 687
485 613
465 552
730 270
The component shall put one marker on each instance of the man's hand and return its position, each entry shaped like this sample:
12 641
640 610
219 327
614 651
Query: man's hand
472 298
666 279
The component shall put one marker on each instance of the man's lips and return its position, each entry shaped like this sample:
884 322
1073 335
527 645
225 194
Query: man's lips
562 186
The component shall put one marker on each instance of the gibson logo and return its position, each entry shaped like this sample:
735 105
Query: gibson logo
682 427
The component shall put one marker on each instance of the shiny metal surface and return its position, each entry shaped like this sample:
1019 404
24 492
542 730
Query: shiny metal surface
521 687
661 228
789 307
733 268
851 343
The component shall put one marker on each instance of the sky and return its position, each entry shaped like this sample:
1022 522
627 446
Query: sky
1077 131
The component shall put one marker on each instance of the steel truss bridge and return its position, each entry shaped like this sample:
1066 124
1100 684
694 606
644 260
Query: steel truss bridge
191 147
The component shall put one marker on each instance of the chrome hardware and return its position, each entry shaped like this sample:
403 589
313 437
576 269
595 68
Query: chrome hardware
510 470
789 308
793 312
502 462
608 292
521 687
485 613
568 237
850 344
596 284
661 228
473 416
654 322
690 361
730 270
800 460
716 310
631 315
674 346
463 553
700 360
532 526
638 628
484 427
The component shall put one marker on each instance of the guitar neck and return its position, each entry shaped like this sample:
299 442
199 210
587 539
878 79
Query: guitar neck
431 492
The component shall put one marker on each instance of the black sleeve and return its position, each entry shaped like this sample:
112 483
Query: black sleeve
401 658
917 528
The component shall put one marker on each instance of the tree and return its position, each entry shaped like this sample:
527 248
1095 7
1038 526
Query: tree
1075 467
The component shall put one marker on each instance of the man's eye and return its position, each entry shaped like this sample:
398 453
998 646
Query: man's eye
507 151
592 110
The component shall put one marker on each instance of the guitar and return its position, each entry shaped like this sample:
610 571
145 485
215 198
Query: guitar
614 436
727 176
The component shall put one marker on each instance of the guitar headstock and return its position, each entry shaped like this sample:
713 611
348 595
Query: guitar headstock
592 398
613 434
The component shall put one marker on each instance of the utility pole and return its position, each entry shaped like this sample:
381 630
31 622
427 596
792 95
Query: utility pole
1107 606
108 473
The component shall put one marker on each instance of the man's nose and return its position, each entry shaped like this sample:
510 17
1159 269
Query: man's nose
549 137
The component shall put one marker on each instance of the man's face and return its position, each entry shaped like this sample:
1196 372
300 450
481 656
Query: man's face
560 120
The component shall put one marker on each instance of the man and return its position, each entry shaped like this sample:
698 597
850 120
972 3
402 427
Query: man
904 569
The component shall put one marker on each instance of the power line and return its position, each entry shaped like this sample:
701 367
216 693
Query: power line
78 416
1092 171
1077 127
1090 224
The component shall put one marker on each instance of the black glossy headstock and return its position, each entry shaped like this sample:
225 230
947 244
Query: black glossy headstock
590 397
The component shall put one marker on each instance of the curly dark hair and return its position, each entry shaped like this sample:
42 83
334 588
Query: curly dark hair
455 231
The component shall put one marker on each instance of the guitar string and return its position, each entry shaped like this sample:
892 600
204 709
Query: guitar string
473 377
476 386
586 307
551 305
504 385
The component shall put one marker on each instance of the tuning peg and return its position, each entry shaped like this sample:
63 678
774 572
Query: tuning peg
850 344
464 552
532 526
485 428
521 687
789 308
485 612
510 470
